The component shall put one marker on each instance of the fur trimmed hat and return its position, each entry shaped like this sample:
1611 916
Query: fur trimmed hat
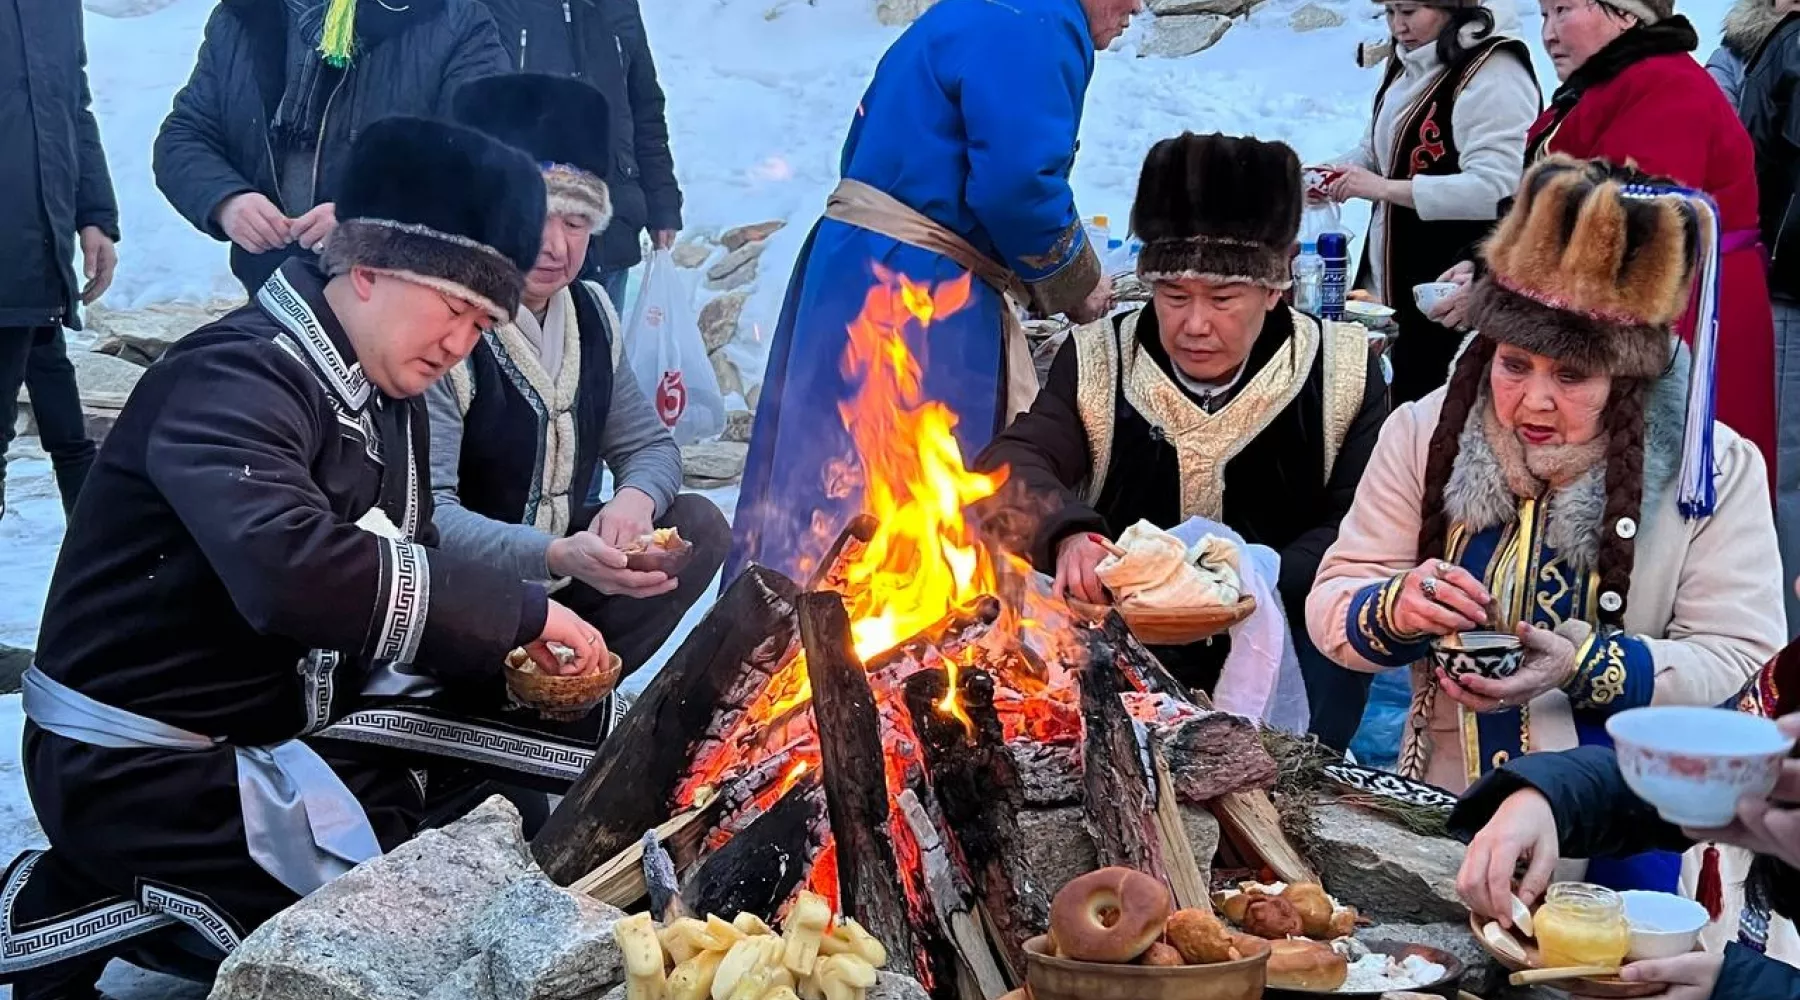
1219 207
563 123
442 205
1589 269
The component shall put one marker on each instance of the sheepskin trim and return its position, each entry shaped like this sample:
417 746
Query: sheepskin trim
1575 242
452 264
1066 290
1212 258
1585 342
573 191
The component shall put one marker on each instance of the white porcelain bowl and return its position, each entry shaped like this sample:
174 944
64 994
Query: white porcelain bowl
1433 292
1694 764
1663 924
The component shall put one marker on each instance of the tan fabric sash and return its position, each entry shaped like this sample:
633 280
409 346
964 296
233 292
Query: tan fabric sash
857 204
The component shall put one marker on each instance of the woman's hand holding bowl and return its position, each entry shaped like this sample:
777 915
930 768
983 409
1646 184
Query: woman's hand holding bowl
1548 664
1771 824
1453 309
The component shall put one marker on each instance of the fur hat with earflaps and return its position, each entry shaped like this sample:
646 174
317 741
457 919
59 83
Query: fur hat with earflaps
1218 207
563 123
1593 266
443 206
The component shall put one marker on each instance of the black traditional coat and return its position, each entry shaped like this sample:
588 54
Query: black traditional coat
1113 438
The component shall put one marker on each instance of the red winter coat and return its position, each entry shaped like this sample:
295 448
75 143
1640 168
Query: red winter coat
1663 113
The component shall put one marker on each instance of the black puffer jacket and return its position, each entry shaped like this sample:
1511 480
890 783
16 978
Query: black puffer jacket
217 141
1771 114
53 178
603 42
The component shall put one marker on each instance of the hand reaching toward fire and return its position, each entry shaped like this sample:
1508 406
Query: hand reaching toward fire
1076 557
587 557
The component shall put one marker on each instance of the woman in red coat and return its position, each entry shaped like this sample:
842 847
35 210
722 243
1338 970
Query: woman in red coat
1632 93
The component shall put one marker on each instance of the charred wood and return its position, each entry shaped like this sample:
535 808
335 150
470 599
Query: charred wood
760 867
630 785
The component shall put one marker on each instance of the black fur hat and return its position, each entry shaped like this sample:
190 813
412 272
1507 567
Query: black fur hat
442 205
1220 207
562 122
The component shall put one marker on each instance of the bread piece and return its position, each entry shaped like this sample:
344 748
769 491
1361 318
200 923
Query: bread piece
1299 964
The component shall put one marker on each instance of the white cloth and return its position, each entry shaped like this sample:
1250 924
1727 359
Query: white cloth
1488 122
1261 677
549 349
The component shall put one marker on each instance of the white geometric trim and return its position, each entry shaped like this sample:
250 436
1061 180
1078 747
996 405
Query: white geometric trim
190 910
317 670
72 936
407 571
468 741
281 300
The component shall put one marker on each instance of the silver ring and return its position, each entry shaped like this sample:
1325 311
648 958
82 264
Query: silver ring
1443 568
319 247
594 640
1428 587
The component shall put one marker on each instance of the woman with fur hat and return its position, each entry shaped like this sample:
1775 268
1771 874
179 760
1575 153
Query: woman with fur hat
1632 93
1569 484
1445 147
1219 401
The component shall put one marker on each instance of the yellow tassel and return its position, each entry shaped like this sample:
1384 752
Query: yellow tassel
340 32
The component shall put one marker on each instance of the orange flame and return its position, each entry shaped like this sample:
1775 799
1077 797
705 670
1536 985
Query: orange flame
924 560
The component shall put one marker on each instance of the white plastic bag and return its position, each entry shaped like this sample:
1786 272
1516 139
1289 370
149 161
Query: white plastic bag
668 356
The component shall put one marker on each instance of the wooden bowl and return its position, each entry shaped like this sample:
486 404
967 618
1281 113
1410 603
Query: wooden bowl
1448 987
1603 987
557 697
1178 627
1052 978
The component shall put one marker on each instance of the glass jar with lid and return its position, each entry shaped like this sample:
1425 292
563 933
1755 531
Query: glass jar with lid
1582 924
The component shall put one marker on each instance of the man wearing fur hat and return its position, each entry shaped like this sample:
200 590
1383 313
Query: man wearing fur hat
519 431
1220 401
252 548
1570 486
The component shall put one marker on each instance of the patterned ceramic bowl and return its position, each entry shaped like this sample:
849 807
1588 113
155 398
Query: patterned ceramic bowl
1494 655
1694 764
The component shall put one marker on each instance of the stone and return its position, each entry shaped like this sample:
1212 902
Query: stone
707 464
719 319
1179 8
737 426
471 981
391 929
736 269
1202 829
142 335
543 942
1185 35
736 238
726 372
753 396
13 664
105 381
893 986
124 8
1385 870
1482 976
691 254
1313 17
900 12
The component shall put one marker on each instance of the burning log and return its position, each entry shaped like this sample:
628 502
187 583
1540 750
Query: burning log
1049 773
1216 755
956 631
629 786
1118 795
762 866
979 789
856 792
844 552
963 947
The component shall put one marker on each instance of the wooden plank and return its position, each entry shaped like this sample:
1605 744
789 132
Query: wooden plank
620 881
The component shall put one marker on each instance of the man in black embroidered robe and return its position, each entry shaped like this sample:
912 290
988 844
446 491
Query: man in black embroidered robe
253 542
1220 401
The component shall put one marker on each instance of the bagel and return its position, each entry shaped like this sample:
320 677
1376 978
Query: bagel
1299 964
1112 915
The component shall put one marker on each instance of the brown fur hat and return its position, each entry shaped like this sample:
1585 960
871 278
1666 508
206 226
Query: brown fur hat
1582 272
1219 207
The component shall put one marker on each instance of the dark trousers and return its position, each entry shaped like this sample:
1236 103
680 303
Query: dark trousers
38 359
614 282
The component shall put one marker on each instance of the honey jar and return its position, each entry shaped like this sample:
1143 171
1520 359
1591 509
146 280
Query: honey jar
1582 924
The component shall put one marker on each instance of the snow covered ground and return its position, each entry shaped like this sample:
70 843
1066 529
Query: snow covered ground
759 92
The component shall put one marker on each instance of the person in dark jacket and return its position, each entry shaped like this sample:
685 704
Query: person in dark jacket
254 149
1769 112
1540 808
1219 401
54 192
254 548
603 43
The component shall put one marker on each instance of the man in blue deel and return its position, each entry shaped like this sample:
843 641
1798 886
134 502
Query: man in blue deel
957 163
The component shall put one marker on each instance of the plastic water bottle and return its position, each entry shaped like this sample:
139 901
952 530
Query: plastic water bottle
1099 232
1334 249
1309 277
